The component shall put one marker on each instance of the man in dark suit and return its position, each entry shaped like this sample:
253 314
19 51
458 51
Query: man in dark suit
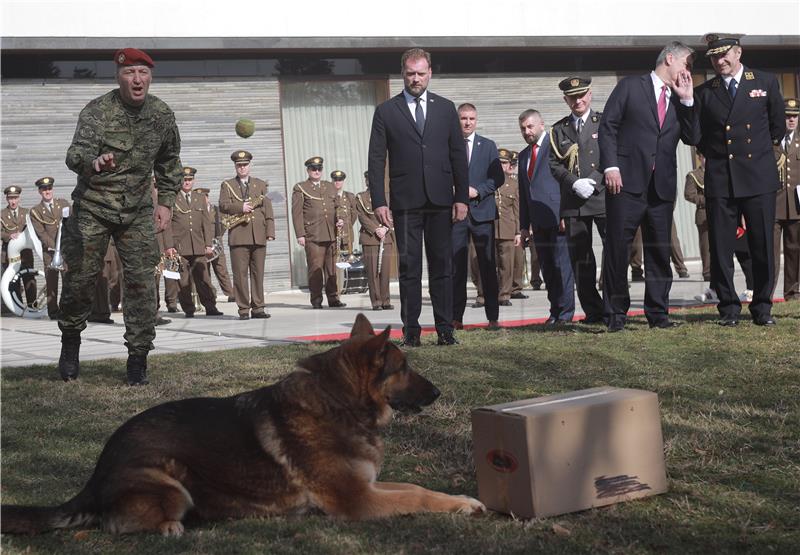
737 117
539 213
638 135
428 187
575 161
485 176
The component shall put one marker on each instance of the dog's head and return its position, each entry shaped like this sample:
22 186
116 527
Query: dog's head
375 372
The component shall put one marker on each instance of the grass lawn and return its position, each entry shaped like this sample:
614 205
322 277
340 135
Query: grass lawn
730 407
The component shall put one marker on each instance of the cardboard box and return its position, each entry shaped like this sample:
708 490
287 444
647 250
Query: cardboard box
568 452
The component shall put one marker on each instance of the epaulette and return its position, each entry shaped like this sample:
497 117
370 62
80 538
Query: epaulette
715 82
748 75
596 116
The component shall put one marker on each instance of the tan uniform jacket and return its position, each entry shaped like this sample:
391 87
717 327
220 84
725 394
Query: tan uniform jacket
369 222
314 211
507 199
693 192
231 201
45 223
191 229
11 225
787 205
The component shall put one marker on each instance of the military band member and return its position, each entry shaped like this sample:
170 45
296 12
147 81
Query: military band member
189 236
46 218
245 198
371 236
506 228
220 264
13 222
574 161
693 192
737 117
787 212
345 210
314 218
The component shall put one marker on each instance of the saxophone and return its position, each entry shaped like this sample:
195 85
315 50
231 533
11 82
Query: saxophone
232 220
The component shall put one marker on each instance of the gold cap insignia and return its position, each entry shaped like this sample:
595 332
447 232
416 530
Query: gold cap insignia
242 155
792 103
575 82
46 180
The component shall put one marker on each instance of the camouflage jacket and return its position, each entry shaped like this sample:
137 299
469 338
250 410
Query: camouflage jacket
144 141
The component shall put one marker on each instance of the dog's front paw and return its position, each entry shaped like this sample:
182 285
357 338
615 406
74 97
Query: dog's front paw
471 506
172 528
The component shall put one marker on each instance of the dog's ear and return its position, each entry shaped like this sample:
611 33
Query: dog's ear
361 326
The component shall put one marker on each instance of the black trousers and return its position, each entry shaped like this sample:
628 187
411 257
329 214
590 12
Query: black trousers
584 265
482 234
723 218
433 225
625 212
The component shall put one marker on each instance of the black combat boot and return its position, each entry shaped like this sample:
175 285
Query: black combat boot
68 364
137 370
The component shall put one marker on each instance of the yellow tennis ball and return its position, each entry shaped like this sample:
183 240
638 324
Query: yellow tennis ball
245 128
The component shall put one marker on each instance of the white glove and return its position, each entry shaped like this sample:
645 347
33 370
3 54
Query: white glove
584 187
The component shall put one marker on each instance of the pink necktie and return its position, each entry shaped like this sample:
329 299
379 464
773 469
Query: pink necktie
662 106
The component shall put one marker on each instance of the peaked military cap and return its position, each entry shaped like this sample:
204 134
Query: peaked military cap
241 157
45 183
132 57
572 86
504 154
189 171
12 191
791 106
314 161
514 157
719 43
338 175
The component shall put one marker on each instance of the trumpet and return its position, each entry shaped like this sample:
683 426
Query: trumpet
344 252
232 220
57 263
170 266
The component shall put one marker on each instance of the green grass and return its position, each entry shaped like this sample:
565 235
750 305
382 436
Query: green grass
730 406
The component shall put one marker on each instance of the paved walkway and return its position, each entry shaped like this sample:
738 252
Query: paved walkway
27 341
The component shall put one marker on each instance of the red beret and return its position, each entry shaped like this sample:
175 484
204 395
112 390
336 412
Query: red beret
132 57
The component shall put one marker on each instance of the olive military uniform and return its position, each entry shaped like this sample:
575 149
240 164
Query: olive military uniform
46 221
378 282
13 223
787 211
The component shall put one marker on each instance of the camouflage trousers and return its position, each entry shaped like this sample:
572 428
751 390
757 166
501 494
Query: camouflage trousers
84 242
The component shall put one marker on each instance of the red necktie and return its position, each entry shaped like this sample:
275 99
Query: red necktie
662 106
532 161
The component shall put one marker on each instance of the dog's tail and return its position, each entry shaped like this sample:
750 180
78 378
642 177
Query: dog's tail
19 519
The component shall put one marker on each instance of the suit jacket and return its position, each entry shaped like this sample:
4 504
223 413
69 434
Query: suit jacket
630 137
562 136
485 175
507 200
539 197
431 166
191 229
369 222
693 192
737 136
46 223
11 225
231 201
314 211
787 204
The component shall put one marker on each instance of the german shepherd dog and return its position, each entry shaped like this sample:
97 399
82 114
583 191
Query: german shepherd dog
308 442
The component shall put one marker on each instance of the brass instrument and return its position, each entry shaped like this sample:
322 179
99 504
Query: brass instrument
57 263
216 248
169 266
344 253
15 273
232 220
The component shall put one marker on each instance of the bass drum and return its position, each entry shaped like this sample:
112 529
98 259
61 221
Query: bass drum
355 277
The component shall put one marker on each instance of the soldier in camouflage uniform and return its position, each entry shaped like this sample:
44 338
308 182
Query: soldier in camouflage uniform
121 139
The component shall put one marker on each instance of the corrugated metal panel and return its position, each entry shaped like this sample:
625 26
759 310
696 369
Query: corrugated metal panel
38 121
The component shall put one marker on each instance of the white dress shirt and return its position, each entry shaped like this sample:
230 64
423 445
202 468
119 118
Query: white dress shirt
411 101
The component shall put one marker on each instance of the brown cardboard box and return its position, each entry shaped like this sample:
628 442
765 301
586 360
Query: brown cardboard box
568 452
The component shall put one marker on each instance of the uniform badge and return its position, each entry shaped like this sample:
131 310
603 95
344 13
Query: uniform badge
575 82
594 135
594 118
715 83
121 59
749 75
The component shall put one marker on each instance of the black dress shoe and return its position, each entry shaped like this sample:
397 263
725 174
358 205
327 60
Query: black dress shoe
447 338
161 321
188 315
476 304
377 308
683 275
172 309
593 320
664 324
244 316
764 320
505 303
213 312
537 286
615 326
519 295
388 307
101 320
261 315
494 325
316 305
554 322
337 304
411 340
